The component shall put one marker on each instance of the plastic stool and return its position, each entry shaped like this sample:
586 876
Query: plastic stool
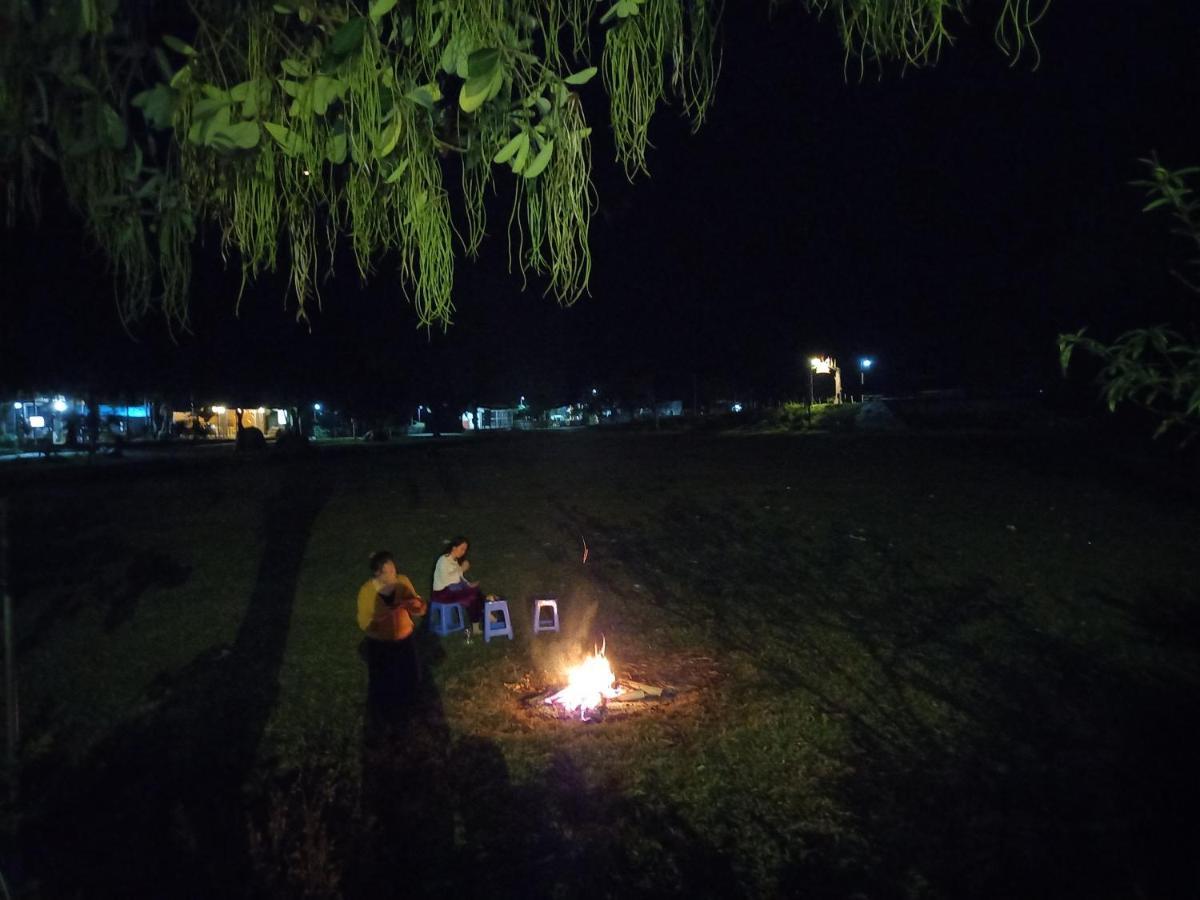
446 618
492 610
539 604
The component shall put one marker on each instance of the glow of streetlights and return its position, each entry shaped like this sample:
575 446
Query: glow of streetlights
316 407
866 362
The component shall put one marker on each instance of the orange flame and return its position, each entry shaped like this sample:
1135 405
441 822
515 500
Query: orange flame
589 684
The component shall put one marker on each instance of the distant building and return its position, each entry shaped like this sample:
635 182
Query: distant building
493 418
222 423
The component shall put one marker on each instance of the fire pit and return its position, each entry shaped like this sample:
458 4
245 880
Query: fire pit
593 689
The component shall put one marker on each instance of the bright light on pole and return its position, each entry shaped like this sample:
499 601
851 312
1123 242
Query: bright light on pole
316 407
863 364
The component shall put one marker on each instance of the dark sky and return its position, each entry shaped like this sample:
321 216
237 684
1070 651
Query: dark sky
948 222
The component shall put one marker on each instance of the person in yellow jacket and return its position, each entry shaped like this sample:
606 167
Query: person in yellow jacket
386 604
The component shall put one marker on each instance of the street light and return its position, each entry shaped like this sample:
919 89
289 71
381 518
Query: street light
863 364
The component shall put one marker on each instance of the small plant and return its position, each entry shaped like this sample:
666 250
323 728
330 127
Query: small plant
293 851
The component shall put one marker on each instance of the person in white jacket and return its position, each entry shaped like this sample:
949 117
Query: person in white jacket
450 584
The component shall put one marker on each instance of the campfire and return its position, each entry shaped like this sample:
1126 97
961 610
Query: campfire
590 685
594 691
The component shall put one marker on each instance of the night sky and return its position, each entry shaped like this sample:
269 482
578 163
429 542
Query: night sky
948 222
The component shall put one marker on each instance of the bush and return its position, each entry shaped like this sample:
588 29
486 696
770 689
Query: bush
825 416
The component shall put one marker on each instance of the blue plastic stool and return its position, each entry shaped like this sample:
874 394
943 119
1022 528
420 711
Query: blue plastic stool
539 623
446 618
496 620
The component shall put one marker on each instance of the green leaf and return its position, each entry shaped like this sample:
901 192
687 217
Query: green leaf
293 89
291 143
326 90
506 152
482 63
157 105
259 92
203 129
133 170
349 38
387 140
335 148
209 106
243 135
182 78
477 91
473 93
582 77
381 8
179 46
297 68
535 168
112 128
522 157
426 95
396 172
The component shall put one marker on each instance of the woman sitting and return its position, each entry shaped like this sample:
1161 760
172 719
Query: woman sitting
450 583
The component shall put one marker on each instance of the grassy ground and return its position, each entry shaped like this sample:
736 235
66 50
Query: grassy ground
909 666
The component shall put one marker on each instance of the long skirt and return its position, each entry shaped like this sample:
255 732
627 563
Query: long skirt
466 596
392 672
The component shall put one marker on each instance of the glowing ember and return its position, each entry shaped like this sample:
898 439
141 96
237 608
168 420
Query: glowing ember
589 684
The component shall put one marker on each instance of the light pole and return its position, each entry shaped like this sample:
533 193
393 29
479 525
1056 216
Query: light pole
864 364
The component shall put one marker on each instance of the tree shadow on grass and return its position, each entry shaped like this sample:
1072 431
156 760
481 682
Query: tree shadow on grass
990 755
108 585
443 817
157 807
1025 764
459 826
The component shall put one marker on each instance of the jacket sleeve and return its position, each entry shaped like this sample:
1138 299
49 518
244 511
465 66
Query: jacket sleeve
366 605
405 588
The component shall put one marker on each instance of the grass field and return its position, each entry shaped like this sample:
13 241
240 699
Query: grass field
908 666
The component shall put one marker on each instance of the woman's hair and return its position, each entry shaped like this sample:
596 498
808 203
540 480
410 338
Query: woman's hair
454 542
379 559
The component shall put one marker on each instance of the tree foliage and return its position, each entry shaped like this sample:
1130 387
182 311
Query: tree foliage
1157 368
293 126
